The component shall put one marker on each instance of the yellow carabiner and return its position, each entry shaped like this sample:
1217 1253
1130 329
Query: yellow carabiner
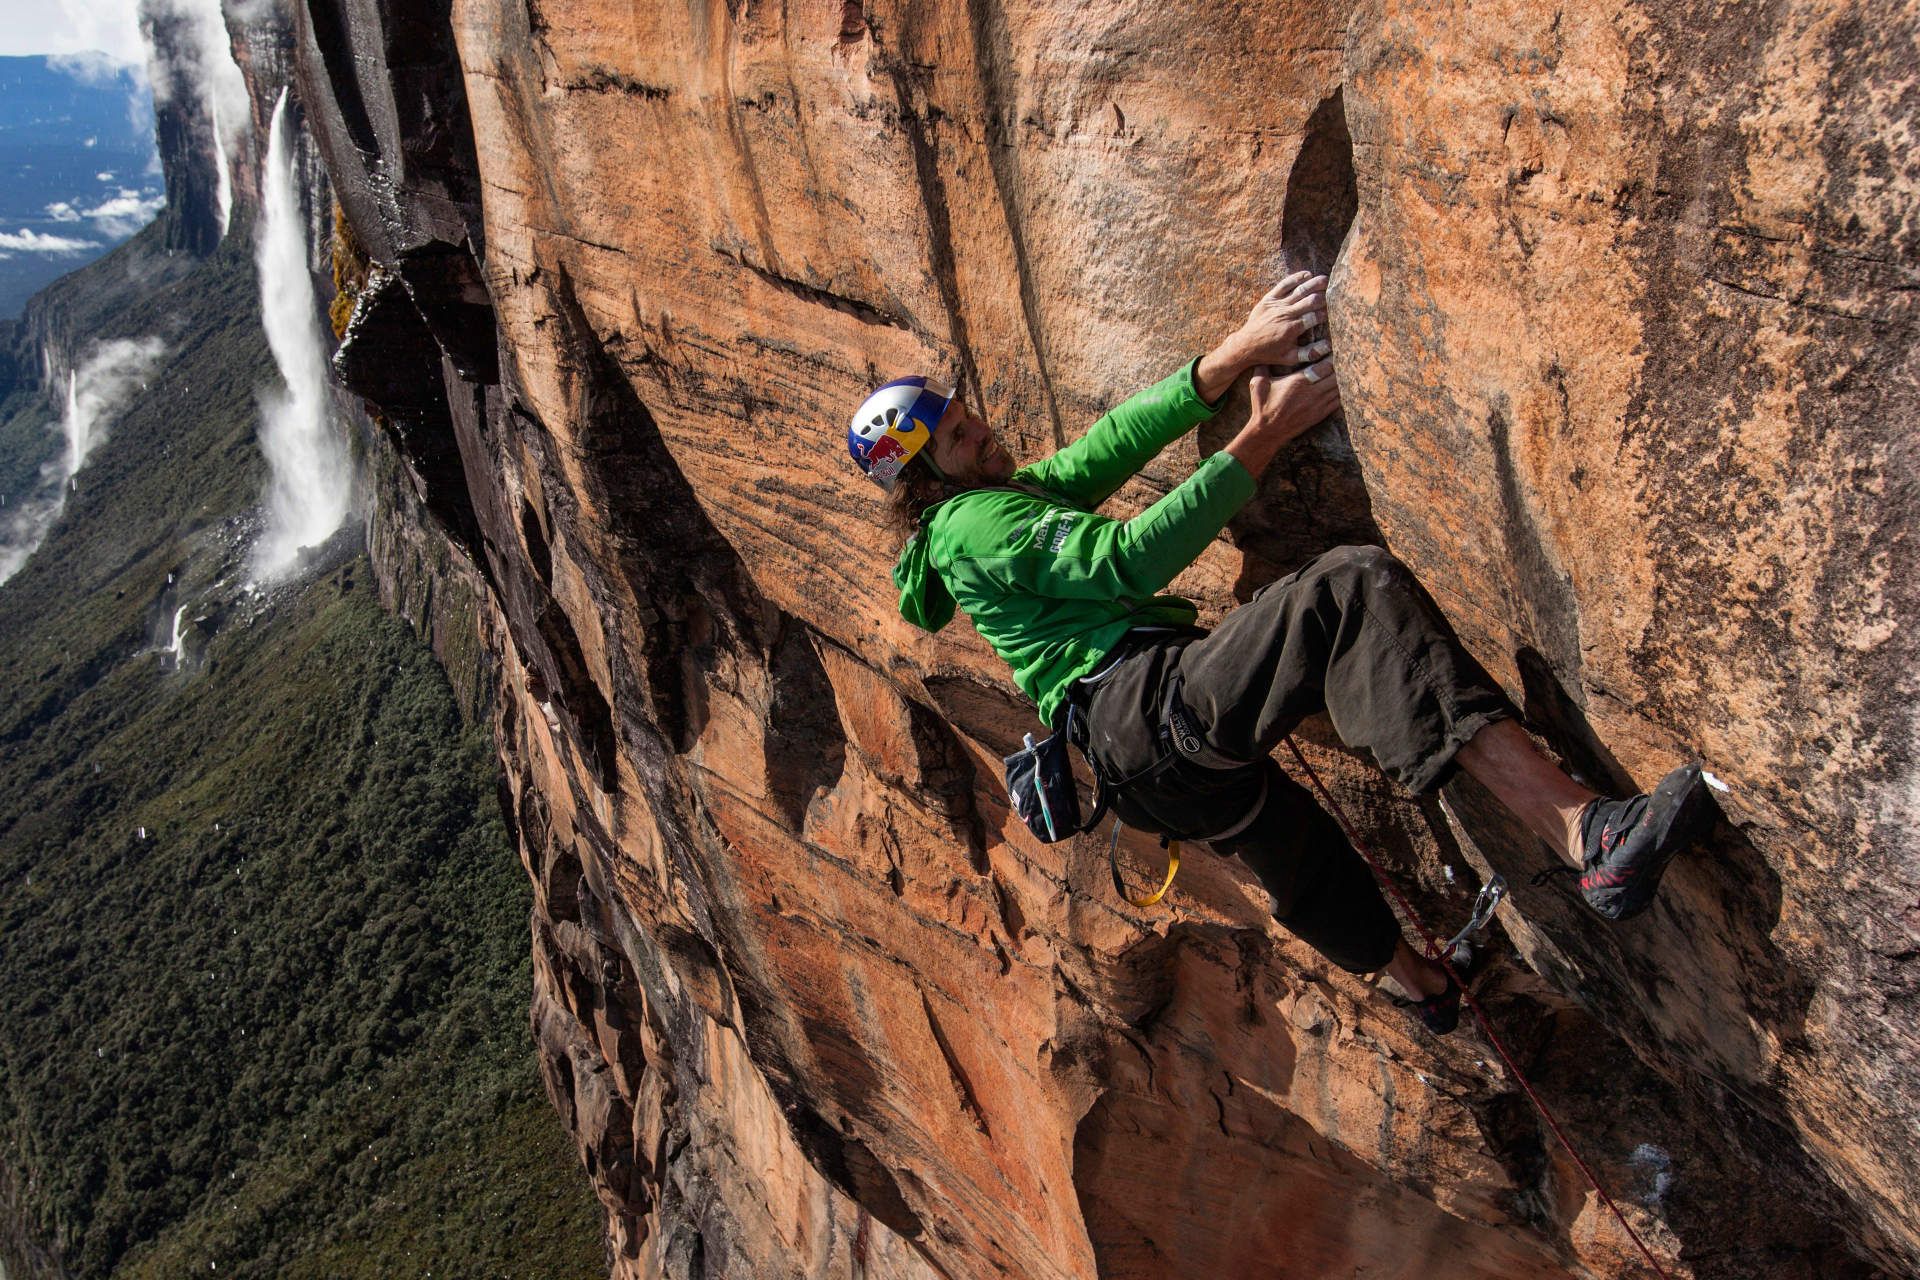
1113 864
1173 869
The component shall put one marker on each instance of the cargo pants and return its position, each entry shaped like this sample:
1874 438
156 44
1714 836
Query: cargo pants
1185 722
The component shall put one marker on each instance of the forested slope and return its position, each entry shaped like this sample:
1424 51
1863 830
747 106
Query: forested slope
265 973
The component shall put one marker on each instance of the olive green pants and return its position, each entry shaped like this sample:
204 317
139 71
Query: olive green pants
1189 723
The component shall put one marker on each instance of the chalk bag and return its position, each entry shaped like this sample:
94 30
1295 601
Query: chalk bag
1040 784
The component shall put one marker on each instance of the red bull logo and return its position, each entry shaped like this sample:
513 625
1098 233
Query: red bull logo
912 436
892 427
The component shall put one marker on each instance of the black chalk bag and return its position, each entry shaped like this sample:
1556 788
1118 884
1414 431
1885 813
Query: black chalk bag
1040 783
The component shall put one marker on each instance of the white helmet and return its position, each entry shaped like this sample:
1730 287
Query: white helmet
894 424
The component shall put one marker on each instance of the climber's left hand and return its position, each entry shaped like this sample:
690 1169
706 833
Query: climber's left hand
1275 332
1274 335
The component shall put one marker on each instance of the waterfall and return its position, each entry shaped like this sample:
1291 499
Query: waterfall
206 68
310 483
222 169
174 648
98 387
76 428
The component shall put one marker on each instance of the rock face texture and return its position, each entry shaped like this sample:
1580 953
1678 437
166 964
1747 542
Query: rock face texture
1623 309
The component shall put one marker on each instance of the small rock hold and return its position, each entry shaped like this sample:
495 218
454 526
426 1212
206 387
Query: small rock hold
1309 1013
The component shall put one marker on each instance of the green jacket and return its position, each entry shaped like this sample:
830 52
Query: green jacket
1053 586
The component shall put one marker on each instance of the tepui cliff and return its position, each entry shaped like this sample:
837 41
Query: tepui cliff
1622 302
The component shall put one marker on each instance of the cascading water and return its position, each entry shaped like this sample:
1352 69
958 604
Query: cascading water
222 169
76 428
205 67
97 389
228 105
309 490
174 647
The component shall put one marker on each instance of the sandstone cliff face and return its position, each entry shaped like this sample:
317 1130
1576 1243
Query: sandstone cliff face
1624 316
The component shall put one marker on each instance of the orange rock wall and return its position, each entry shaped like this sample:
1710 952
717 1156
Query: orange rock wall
1622 308
1634 339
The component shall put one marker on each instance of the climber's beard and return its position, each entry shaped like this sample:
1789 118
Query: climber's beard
967 451
997 464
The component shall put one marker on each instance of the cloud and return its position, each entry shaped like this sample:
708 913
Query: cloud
124 214
30 241
116 217
121 205
102 31
95 67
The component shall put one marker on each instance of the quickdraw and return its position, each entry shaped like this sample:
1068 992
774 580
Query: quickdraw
1484 906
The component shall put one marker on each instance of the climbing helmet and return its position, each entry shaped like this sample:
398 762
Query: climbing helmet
894 424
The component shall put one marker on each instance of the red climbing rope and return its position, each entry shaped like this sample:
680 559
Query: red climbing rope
1433 953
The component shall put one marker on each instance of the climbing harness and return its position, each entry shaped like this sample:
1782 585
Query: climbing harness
1172 847
1041 787
1436 953
1179 740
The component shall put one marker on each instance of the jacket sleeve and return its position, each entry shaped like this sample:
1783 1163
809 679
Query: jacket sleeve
1125 439
1066 553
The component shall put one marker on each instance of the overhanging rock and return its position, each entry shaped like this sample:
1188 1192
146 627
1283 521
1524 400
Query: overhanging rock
1623 317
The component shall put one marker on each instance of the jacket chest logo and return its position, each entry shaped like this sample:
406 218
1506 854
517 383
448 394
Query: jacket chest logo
1050 530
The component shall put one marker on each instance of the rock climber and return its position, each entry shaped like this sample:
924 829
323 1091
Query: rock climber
1179 723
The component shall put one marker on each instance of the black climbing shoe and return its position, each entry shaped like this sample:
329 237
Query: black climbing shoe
1628 843
1441 1014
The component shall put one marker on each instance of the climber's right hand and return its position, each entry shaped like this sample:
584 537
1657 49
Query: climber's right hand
1290 406
1275 331
1284 408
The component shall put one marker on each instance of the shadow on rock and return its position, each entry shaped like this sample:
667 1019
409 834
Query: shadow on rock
1319 498
1699 990
1229 1065
1698 979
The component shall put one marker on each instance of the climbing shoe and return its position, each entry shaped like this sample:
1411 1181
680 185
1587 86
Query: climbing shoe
1628 843
1440 1014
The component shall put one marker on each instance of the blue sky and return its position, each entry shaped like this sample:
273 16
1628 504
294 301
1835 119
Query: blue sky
61 204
